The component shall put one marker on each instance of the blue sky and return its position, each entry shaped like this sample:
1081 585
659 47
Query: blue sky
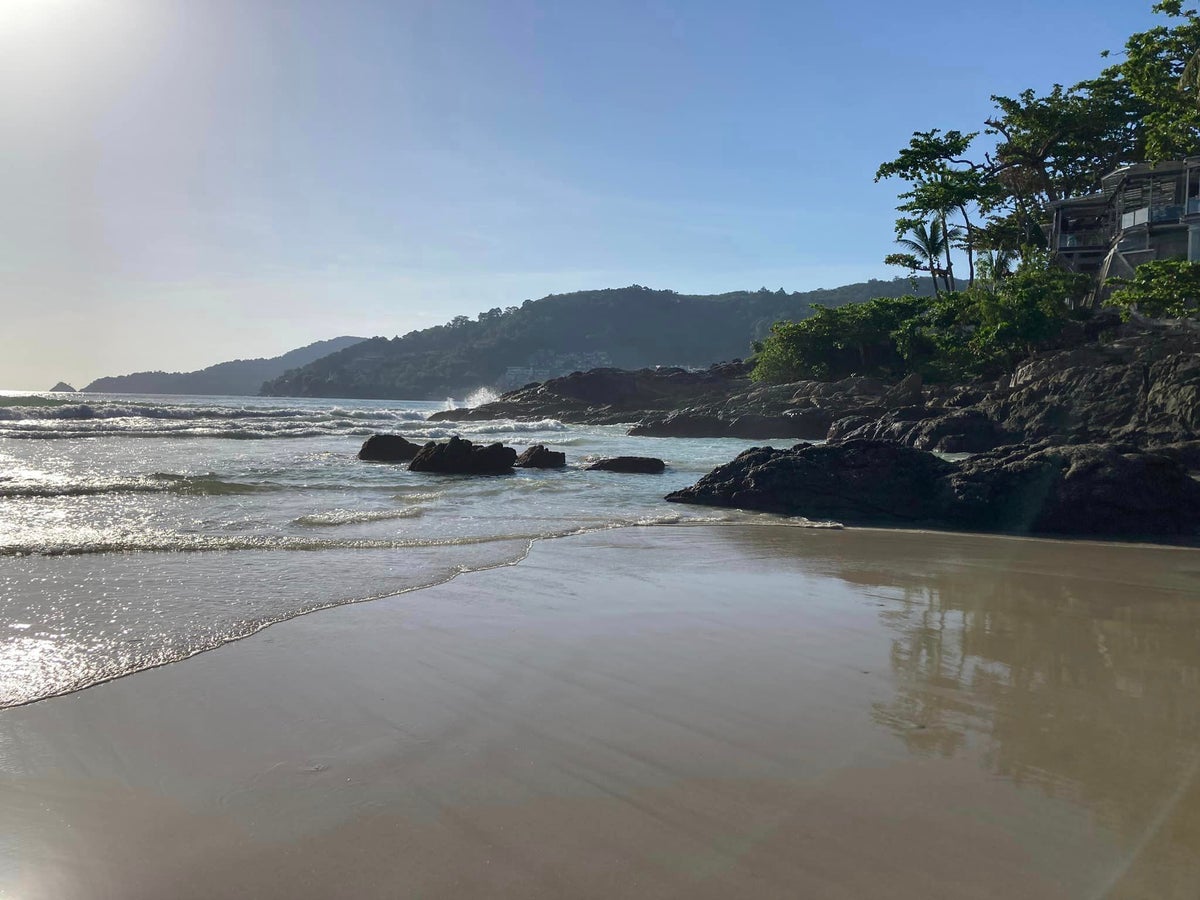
188 181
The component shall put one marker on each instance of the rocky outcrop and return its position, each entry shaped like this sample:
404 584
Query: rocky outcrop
644 465
461 457
1097 490
388 448
608 396
803 409
539 457
62 388
1141 386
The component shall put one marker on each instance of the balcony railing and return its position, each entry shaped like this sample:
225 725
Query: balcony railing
1078 239
1172 212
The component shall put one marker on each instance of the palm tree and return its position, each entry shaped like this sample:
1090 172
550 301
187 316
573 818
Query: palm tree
930 241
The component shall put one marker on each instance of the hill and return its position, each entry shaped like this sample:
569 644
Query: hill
239 377
630 328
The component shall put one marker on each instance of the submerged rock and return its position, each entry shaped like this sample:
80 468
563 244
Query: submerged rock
388 448
1098 490
461 457
647 465
538 457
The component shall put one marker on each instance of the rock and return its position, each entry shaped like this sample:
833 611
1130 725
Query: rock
755 427
637 464
682 424
907 393
1186 453
859 482
1094 490
610 396
538 457
388 448
62 388
956 431
461 457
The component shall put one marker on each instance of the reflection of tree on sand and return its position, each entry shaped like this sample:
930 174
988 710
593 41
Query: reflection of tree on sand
1075 668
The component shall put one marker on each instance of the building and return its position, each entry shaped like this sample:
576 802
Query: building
1142 212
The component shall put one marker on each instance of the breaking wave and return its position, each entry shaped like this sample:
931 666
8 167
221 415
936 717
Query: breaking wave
204 485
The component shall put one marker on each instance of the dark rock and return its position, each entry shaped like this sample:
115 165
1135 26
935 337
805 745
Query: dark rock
755 427
1098 490
62 388
538 457
388 448
907 393
682 424
859 482
459 456
848 425
638 464
956 431
610 396
1186 453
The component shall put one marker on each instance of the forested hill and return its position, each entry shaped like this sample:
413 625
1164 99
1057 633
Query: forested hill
628 327
239 377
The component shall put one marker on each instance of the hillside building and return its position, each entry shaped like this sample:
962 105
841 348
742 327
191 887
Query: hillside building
1142 212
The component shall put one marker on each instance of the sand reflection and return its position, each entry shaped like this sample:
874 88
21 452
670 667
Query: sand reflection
1071 667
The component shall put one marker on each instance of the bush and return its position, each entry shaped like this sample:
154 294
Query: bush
1160 289
956 336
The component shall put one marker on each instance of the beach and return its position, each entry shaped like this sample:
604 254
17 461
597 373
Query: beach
691 711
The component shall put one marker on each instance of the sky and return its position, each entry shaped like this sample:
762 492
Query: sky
184 182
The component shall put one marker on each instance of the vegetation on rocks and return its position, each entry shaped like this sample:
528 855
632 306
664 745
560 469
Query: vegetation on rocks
954 336
1161 288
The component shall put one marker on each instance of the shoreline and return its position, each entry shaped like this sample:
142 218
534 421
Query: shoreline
651 712
530 543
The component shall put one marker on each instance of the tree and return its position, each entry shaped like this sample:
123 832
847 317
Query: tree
1161 288
943 182
1160 69
926 248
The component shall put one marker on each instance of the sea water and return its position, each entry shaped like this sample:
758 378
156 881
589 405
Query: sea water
137 531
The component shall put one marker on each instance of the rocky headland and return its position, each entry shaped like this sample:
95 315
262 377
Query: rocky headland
1099 436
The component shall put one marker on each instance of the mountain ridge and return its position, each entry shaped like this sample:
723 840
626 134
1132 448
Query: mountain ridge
235 377
631 327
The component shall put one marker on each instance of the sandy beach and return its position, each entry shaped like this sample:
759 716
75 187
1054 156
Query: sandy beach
653 712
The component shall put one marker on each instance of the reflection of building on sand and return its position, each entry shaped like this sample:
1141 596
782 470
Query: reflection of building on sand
1075 668
1070 667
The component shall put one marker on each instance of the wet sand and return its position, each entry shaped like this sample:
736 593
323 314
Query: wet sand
666 712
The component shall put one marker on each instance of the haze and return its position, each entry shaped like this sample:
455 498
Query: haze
188 181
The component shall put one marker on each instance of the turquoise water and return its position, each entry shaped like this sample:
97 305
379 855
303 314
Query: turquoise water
135 531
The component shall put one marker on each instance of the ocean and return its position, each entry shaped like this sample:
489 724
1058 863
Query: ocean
137 531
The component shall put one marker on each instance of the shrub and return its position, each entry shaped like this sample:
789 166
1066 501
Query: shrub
1160 289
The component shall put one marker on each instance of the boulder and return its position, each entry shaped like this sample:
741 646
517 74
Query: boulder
538 457
859 482
637 464
684 423
458 456
953 431
388 448
1092 490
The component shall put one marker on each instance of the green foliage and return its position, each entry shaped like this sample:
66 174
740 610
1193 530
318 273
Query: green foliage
1160 69
1161 288
836 342
632 326
954 336
1055 145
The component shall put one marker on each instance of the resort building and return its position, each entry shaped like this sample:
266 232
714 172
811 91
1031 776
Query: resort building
1142 212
